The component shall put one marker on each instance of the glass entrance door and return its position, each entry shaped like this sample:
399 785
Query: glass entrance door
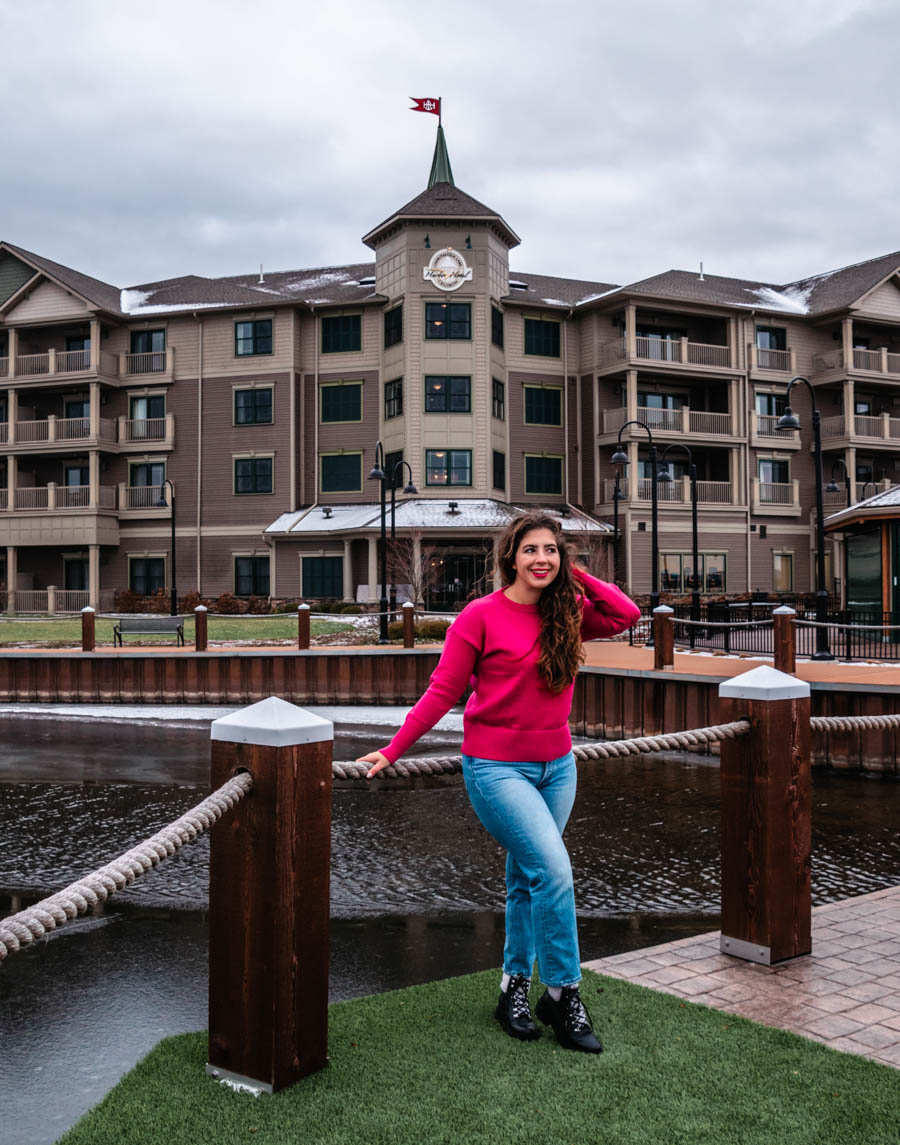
458 575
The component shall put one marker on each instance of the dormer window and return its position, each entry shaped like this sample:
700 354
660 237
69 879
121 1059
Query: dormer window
515 284
369 280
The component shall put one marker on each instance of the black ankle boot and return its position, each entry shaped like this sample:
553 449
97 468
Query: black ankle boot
513 1011
570 1020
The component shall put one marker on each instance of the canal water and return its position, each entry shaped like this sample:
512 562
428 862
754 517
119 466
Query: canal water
417 885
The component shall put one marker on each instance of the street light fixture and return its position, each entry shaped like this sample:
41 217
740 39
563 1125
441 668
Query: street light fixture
618 496
832 486
409 489
163 504
665 476
620 457
789 420
378 474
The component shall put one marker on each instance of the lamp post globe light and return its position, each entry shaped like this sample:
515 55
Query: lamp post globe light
620 457
789 420
832 486
163 504
665 476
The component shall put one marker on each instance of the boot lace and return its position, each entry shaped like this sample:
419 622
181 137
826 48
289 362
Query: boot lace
517 996
576 1015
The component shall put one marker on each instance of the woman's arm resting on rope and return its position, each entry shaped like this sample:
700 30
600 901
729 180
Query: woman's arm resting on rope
607 610
448 682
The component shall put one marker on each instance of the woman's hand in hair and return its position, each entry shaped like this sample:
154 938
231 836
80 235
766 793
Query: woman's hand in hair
377 759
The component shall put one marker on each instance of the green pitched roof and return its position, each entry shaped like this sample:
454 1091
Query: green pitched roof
441 171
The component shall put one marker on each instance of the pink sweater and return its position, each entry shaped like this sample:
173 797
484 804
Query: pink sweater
494 645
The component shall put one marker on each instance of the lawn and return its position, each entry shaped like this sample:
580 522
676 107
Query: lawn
429 1065
67 632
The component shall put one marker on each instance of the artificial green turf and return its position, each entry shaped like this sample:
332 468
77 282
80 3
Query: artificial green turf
221 628
429 1064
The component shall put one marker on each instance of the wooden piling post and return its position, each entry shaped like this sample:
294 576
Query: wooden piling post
303 627
766 819
785 639
201 628
663 639
269 898
409 624
88 629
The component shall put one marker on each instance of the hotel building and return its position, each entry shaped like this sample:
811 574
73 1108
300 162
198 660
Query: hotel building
258 400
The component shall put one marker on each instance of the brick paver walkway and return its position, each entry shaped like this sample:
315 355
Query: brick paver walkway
845 994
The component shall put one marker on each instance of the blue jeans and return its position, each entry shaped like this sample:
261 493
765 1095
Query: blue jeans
525 806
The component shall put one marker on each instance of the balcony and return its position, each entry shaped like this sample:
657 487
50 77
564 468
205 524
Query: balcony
40 498
780 499
660 351
36 436
143 501
139 432
882 430
53 601
764 432
671 492
763 361
668 423
155 362
76 364
867 362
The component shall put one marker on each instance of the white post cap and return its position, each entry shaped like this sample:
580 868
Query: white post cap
408 604
306 606
87 608
784 610
764 683
272 723
201 608
663 608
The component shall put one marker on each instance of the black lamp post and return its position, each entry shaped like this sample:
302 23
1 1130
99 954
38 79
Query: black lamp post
617 497
162 504
789 420
409 489
832 486
664 475
378 474
621 458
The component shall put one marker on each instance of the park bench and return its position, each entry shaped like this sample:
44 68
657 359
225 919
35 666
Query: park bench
147 625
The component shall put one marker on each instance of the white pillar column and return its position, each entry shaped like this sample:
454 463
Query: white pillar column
95 347
12 412
94 575
95 406
373 570
348 569
12 575
94 476
12 349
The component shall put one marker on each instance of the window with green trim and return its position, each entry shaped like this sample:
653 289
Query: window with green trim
146 575
251 576
393 326
253 337
393 398
498 399
253 407
543 474
543 405
341 333
341 472
497 327
499 470
253 475
542 337
323 577
448 466
448 393
341 401
448 320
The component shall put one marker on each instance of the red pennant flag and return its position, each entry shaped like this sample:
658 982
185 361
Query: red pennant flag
432 105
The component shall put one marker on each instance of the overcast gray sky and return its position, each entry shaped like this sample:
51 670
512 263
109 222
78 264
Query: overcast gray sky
206 136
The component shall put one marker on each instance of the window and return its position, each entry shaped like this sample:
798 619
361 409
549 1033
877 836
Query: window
391 461
769 405
146 575
253 337
393 398
253 406
143 474
774 471
771 338
497 327
323 576
448 320
543 474
542 337
253 475
499 470
864 405
393 327
341 333
251 576
543 405
649 400
676 571
4 416
448 466
342 401
783 572
341 472
447 394
77 407
77 476
142 408
147 341
498 399
78 343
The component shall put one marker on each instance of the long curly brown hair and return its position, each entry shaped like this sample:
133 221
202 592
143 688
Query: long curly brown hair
559 603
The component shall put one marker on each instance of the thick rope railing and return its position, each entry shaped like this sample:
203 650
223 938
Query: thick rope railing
614 749
720 623
35 921
853 723
853 627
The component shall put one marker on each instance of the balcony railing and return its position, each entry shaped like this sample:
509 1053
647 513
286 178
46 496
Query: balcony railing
764 430
72 599
142 429
4 498
57 429
880 361
766 359
883 427
701 422
4 367
676 492
39 497
679 351
153 362
53 363
141 496
776 496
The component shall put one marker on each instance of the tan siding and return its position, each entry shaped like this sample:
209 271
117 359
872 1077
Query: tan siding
47 300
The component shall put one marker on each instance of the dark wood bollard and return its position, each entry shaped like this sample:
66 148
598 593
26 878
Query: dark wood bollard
785 639
766 819
201 628
409 624
303 627
88 629
269 898
663 638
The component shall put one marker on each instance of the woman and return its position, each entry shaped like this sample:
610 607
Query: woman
520 648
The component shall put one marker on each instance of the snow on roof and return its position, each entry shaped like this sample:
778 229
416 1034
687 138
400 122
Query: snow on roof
425 513
594 297
794 300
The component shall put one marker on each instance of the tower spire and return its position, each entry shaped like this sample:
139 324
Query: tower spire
440 164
